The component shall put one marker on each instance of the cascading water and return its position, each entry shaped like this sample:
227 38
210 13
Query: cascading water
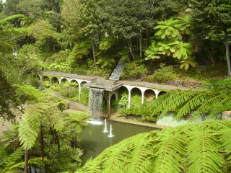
96 105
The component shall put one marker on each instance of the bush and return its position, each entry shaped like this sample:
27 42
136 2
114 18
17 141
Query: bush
144 112
84 97
59 57
63 67
69 91
78 53
164 74
134 70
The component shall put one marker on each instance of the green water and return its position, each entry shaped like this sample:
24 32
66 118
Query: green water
94 141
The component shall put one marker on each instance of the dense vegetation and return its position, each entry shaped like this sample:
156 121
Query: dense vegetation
205 103
44 136
168 41
90 37
201 148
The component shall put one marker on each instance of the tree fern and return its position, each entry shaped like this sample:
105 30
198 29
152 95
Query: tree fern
28 130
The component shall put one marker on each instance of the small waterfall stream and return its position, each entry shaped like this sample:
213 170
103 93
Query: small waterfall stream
96 105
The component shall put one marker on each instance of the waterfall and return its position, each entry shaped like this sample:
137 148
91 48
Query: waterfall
96 105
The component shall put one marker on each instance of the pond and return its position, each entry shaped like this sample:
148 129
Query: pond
94 140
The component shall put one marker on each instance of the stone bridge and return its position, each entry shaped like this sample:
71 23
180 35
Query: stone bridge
111 87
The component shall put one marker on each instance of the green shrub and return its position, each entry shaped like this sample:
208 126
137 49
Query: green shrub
84 97
134 70
59 57
136 109
35 82
78 53
164 74
63 67
69 91
144 112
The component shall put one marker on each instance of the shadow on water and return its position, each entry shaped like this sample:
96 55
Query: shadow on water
94 141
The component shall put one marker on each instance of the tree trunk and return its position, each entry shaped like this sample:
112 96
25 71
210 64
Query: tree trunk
26 159
228 58
141 45
130 48
147 38
93 52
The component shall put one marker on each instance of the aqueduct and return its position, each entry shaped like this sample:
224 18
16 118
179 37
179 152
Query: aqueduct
111 87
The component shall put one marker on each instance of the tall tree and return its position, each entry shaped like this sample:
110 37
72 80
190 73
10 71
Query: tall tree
133 20
212 21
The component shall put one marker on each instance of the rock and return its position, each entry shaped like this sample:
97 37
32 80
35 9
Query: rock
226 115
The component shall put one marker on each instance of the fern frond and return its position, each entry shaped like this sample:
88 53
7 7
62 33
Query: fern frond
204 152
191 105
206 106
13 159
119 158
142 154
192 148
28 130
171 149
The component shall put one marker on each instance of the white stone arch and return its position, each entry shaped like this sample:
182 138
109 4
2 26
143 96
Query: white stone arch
83 82
141 90
161 93
129 88
150 89
53 79
80 83
69 79
44 77
74 81
116 95
62 79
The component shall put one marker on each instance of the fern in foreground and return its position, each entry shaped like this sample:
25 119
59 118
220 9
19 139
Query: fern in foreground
193 148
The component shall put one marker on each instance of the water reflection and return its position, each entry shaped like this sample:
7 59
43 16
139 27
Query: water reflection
94 140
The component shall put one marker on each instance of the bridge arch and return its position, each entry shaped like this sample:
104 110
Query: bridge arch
74 83
45 78
161 93
54 80
63 80
83 82
149 94
139 92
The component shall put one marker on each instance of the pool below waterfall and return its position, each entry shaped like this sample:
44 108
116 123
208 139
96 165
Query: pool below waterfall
94 140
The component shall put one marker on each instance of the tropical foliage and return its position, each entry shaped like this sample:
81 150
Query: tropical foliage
201 148
172 34
210 103
155 39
